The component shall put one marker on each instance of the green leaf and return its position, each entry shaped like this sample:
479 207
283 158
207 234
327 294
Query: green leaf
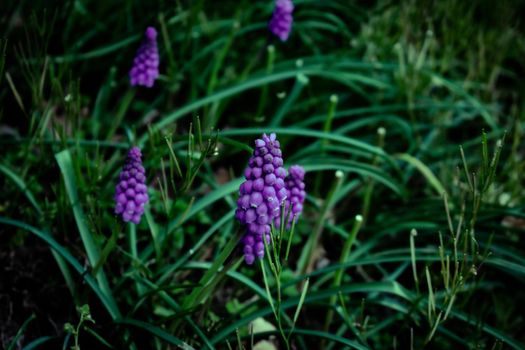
20 332
424 170
66 167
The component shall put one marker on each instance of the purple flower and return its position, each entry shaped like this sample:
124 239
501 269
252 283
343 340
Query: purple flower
295 193
146 63
131 193
281 23
261 195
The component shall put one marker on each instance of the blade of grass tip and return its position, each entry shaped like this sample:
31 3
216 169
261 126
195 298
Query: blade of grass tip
290 239
431 300
424 170
413 235
433 331
449 306
43 77
449 217
299 306
18 98
494 162
199 132
441 251
98 337
300 82
465 167
484 156
65 164
21 331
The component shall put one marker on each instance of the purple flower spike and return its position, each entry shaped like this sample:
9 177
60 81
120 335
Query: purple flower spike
131 193
281 23
294 184
261 195
146 63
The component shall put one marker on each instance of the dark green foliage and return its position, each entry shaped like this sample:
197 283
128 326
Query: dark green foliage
408 118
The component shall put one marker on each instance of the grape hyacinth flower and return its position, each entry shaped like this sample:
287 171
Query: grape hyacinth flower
261 195
146 63
295 194
281 23
131 193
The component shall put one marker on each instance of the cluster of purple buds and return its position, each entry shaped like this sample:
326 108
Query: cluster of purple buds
146 63
261 196
131 193
281 23
295 194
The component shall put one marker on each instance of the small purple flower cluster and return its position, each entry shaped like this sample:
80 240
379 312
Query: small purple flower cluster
281 23
131 193
295 194
145 68
263 193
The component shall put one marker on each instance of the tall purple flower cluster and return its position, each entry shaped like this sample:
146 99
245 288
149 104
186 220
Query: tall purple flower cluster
146 63
131 193
261 195
281 23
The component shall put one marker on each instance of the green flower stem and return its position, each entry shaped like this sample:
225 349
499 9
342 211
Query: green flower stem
369 189
338 277
306 259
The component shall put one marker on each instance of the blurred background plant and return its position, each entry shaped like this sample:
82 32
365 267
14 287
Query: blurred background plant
406 239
